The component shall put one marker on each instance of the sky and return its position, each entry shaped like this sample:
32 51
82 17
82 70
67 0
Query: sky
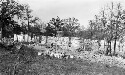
83 10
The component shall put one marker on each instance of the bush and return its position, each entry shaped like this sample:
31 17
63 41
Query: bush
28 53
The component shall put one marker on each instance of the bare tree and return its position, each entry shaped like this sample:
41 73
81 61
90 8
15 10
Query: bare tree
111 23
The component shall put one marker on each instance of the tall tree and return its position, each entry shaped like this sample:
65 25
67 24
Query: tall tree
28 16
56 24
53 27
9 9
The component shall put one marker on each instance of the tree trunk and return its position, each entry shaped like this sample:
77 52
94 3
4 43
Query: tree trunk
1 34
83 44
104 44
17 37
107 49
28 37
31 36
122 47
99 45
119 46
46 39
69 41
110 49
114 47
39 38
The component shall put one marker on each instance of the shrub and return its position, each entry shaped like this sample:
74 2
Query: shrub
28 53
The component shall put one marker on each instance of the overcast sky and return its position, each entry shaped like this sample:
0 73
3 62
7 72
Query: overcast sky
83 10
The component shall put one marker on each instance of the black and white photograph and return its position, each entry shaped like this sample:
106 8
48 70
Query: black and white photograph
62 37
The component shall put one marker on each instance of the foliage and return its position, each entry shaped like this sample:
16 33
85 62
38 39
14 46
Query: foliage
110 23
87 34
9 9
54 26
50 31
70 27
35 30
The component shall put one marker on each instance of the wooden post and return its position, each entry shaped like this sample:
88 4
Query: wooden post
1 34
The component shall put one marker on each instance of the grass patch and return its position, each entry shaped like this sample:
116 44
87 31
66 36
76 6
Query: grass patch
74 67
43 65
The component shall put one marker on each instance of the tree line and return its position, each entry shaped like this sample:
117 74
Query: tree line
16 18
108 25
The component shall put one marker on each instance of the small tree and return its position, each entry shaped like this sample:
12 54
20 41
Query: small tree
56 24
70 27
53 27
